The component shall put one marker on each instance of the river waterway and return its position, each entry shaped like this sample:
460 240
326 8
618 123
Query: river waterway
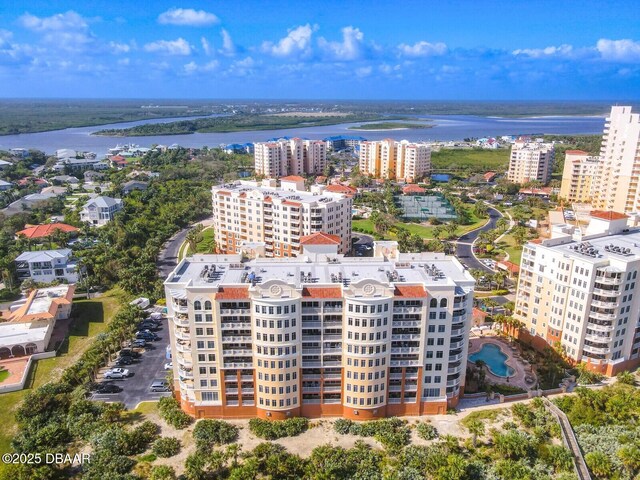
446 127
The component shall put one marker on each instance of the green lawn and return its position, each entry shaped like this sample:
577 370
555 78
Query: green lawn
508 244
92 317
4 374
470 160
208 242
415 228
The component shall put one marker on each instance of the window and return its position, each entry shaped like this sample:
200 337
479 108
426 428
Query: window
433 303
207 305
197 305
443 303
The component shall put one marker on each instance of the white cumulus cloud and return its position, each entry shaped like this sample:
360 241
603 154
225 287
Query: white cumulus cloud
59 21
188 17
297 42
228 47
625 50
117 47
552 51
206 48
192 67
350 48
422 49
169 47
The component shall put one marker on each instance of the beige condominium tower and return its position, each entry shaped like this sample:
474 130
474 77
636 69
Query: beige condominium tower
320 334
530 161
618 173
293 156
388 159
579 291
578 175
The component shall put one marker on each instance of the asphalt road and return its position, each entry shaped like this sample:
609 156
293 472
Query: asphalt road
464 248
168 258
149 367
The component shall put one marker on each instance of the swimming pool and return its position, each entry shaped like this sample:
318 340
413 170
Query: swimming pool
494 358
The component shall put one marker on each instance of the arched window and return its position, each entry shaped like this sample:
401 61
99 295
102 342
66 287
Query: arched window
197 305
443 303
207 305
433 303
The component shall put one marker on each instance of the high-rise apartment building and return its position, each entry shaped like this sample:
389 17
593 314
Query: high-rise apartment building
389 159
530 161
290 157
580 291
319 335
249 215
577 176
618 174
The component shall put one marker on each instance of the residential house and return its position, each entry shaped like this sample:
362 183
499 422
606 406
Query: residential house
92 176
36 232
46 266
100 210
132 185
4 186
63 179
4 164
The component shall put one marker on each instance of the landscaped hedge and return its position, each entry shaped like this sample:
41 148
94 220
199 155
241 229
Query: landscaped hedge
392 433
166 447
172 414
426 431
270 430
209 433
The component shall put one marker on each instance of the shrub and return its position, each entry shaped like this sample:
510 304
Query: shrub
426 431
392 433
209 433
172 414
342 426
271 430
162 472
166 447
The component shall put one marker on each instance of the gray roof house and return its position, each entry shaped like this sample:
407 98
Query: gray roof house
100 210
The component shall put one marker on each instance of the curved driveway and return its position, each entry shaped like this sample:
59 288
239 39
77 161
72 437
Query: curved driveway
168 257
464 245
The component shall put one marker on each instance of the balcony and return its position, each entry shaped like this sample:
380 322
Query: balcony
453 383
459 344
185 373
607 304
332 336
244 352
180 308
405 350
609 280
238 365
241 338
607 293
332 350
455 358
235 326
407 309
235 311
185 362
457 331
596 350
186 385
181 320
405 336
404 363
453 370
597 338
603 316
183 347
182 333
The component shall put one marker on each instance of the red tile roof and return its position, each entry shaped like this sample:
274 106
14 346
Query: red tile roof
321 179
223 192
510 266
292 178
576 152
477 313
410 291
413 189
292 204
320 238
40 231
232 293
607 215
118 158
320 292
342 189
489 176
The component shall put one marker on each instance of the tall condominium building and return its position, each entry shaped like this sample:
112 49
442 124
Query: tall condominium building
249 215
577 176
290 157
617 177
396 160
581 291
530 161
319 335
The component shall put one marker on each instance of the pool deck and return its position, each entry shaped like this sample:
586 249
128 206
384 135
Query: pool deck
521 367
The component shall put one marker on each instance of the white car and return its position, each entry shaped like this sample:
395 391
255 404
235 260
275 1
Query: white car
168 366
117 373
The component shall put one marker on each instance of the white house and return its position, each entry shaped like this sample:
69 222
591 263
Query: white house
100 210
47 266
5 185
4 164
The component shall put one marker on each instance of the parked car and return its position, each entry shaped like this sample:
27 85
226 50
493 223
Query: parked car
168 366
124 361
127 352
106 388
116 373
160 386
139 343
148 326
148 336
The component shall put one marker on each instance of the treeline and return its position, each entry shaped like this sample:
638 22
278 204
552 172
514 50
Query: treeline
588 143
235 123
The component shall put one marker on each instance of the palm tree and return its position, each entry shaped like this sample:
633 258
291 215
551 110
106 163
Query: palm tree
500 277
194 237
476 428
490 303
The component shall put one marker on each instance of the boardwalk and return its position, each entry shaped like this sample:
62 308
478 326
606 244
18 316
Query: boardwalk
570 441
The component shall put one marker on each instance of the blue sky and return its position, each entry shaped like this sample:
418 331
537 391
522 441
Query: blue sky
446 49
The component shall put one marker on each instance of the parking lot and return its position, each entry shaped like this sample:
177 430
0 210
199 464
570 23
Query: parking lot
143 371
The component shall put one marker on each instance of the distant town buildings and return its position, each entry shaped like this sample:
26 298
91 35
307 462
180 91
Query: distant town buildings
530 161
319 335
617 177
100 210
580 291
342 142
264 216
577 176
388 159
46 266
290 157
